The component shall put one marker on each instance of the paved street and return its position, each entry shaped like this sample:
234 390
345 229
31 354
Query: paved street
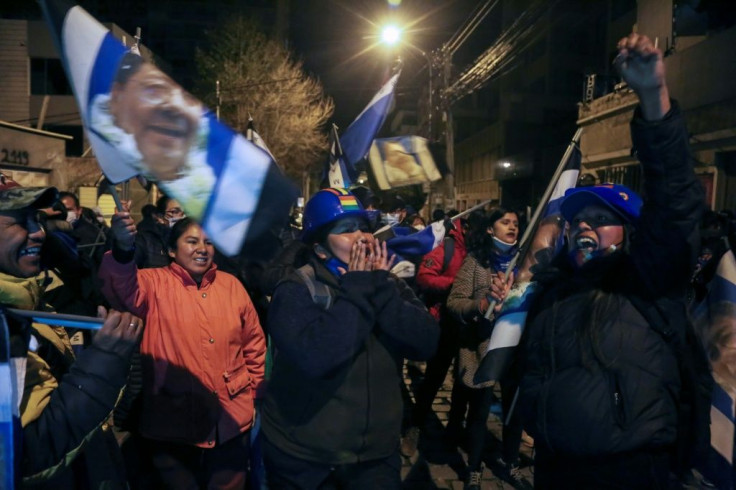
438 465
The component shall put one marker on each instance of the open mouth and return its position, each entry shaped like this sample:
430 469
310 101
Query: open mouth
174 127
586 243
30 251
201 260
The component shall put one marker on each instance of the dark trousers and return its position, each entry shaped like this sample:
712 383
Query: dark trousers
435 374
185 467
635 470
479 403
285 472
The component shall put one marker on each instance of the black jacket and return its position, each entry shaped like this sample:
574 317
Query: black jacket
151 245
334 395
624 395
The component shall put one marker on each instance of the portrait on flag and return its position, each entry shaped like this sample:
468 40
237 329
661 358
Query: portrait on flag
142 123
402 161
158 128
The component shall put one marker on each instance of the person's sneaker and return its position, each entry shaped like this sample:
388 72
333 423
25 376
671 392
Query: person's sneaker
410 441
511 473
473 480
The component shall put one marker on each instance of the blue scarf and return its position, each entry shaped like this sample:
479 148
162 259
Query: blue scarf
500 259
333 263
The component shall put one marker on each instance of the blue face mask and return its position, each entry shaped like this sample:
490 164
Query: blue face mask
373 216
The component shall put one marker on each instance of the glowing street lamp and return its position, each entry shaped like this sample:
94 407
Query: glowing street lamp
390 35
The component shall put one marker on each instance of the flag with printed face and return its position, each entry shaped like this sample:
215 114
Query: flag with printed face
715 320
356 140
140 122
545 245
402 161
340 174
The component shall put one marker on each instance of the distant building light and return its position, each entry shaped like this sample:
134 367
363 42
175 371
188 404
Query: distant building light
506 164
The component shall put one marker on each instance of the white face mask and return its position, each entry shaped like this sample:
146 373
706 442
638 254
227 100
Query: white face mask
71 217
419 227
391 218
173 221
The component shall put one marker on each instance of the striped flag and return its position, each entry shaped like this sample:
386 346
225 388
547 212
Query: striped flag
407 242
340 174
139 121
255 138
546 243
715 318
357 139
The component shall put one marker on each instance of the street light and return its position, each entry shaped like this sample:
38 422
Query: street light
390 35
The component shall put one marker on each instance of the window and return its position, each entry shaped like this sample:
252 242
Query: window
48 77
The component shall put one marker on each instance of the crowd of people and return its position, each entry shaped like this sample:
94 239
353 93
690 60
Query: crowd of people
196 354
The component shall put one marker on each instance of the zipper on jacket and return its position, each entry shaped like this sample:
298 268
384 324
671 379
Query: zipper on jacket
619 411
367 397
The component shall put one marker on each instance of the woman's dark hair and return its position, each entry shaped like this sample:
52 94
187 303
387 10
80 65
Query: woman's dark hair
129 66
178 230
161 203
479 241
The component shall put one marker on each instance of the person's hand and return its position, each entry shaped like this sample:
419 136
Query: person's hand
500 287
123 228
358 260
378 256
120 333
641 66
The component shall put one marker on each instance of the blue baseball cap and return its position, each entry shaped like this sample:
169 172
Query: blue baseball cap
620 199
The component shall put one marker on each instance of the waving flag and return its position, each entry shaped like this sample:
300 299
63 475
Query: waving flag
408 242
9 414
340 174
139 121
547 225
255 138
402 161
715 318
357 139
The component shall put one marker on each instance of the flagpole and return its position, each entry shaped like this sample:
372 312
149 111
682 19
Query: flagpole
534 222
468 211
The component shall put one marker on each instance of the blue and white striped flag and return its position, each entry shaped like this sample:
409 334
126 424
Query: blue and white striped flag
715 318
407 242
340 174
252 135
139 121
547 239
357 139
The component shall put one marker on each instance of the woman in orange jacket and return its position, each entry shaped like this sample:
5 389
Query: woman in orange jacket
202 356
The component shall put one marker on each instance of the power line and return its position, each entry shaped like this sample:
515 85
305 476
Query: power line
469 26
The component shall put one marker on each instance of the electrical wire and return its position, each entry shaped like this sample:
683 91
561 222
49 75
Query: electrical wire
469 26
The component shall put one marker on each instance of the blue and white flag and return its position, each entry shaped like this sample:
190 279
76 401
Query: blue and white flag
356 140
546 243
402 161
340 174
407 242
140 122
252 135
715 319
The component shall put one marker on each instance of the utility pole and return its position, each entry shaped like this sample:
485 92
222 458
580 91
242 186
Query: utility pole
446 58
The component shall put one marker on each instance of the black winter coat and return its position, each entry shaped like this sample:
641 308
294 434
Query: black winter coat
623 395
334 395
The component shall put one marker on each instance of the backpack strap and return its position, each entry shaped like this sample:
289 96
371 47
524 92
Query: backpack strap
320 292
449 249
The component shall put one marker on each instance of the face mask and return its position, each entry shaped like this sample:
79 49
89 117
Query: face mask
373 216
173 221
419 227
391 219
71 217
502 246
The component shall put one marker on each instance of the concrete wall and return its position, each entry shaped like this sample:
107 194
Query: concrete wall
15 70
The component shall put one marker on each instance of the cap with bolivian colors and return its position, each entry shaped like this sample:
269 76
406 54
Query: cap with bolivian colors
13 196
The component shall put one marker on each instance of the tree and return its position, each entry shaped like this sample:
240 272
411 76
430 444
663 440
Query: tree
259 77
